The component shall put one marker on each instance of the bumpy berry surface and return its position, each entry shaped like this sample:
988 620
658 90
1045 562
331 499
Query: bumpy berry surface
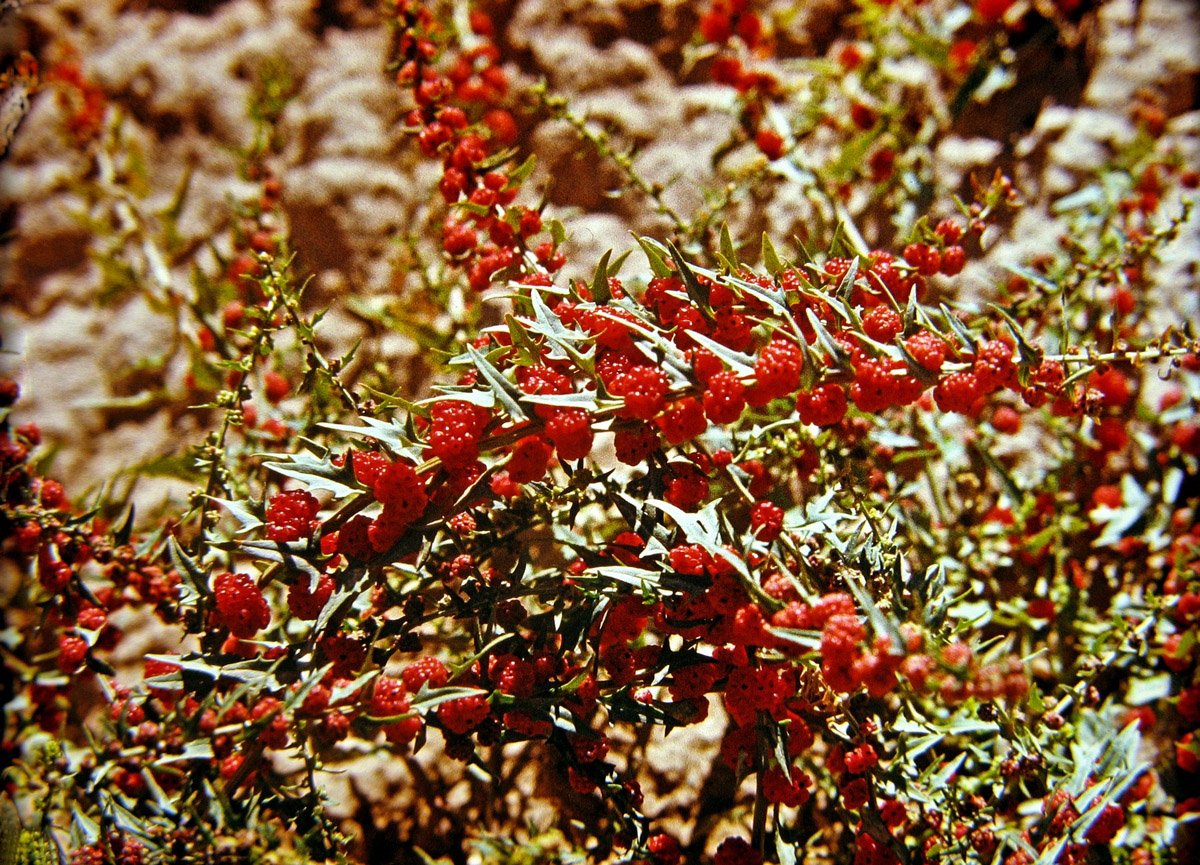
241 605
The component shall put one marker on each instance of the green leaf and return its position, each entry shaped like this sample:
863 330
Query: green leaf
522 172
508 394
881 623
519 334
276 551
697 292
1029 354
942 778
702 528
846 284
742 364
785 851
774 298
1010 486
657 263
317 473
10 831
241 513
193 579
390 433
770 257
828 343
583 400
561 339
964 335
124 527
600 292
728 253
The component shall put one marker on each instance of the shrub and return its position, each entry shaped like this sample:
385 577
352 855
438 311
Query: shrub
767 490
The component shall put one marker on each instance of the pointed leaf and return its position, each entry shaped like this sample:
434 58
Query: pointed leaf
657 263
241 513
728 252
193 579
505 391
600 291
770 257
697 292
318 473
964 335
740 363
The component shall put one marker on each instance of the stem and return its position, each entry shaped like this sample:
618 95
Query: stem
758 832
600 140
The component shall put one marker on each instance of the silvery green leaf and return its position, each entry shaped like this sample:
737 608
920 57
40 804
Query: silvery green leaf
389 433
288 554
249 522
1144 691
193 580
318 473
505 391
742 364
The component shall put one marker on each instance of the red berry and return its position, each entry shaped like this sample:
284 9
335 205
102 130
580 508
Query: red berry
994 367
769 142
571 432
949 230
389 697
305 604
855 794
1110 821
992 10
401 491
1006 419
422 670
530 457
686 486
825 405
778 789
927 349
644 389
777 369
368 466
52 494
241 605
882 324
724 399
464 714
665 849
766 520
275 733
861 759
957 392
863 116
634 446
71 652
454 432
953 259
924 258
292 515
275 386
737 851
682 420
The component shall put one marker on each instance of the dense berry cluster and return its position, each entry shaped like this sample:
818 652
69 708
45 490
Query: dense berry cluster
791 503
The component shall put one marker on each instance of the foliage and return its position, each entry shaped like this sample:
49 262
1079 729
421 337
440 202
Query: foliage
929 566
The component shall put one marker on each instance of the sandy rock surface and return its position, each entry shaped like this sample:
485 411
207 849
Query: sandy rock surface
95 367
